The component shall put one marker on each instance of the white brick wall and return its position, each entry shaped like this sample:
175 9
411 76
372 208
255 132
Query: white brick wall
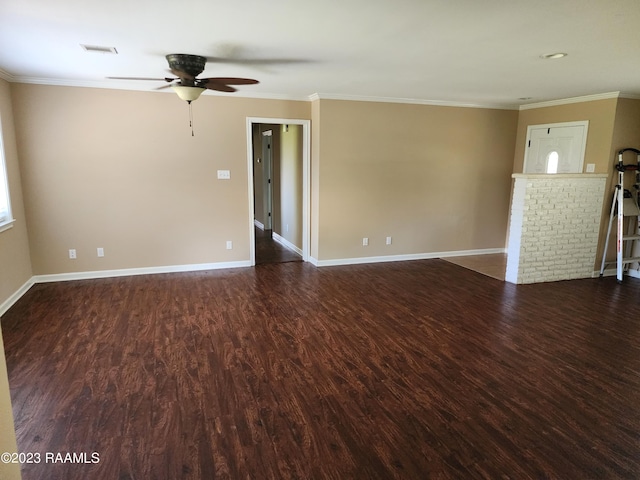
555 222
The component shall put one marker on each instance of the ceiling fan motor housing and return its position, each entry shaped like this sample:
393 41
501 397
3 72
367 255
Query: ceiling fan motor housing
190 64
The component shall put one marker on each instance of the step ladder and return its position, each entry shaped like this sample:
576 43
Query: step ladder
625 205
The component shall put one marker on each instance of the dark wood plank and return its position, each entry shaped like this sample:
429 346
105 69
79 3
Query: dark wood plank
402 370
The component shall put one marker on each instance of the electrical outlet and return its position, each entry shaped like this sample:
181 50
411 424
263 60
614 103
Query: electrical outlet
365 241
229 245
388 241
100 252
72 253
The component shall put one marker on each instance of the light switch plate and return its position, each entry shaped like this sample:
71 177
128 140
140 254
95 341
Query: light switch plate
591 167
224 174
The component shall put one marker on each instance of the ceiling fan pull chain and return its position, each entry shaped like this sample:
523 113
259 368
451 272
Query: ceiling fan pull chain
191 119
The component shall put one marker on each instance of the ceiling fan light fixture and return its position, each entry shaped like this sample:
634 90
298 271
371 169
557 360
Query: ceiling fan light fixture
188 94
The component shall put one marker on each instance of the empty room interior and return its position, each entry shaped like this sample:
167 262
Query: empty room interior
307 241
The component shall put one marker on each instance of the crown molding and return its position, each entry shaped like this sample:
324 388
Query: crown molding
103 84
6 76
410 101
317 96
57 82
263 96
258 95
566 101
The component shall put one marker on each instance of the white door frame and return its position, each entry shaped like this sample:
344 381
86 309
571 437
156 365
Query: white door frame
306 181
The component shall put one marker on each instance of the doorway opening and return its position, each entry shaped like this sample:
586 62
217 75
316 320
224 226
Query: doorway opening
278 165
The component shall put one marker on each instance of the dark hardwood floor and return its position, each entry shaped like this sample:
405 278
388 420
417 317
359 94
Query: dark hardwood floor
270 251
409 370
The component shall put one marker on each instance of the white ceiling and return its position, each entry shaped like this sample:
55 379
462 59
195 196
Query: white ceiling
477 52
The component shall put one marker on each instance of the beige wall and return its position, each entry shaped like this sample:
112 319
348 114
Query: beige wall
316 160
433 178
14 243
599 113
289 224
626 134
120 170
15 271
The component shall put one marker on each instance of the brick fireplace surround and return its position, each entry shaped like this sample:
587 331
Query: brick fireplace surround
554 228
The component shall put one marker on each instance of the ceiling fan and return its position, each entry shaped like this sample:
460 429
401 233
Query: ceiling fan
186 83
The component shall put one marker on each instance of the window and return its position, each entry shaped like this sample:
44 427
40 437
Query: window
552 162
6 220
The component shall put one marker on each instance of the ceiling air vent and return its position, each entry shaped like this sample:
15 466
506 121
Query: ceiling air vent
99 49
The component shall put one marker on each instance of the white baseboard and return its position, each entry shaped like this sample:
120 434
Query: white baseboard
258 224
125 272
403 258
8 303
286 243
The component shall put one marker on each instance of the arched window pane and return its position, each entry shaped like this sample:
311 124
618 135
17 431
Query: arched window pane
552 162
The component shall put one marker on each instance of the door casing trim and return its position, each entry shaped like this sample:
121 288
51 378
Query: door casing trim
306 181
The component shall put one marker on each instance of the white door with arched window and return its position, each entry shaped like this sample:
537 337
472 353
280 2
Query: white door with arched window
555 148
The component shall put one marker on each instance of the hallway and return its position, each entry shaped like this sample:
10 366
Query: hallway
269 251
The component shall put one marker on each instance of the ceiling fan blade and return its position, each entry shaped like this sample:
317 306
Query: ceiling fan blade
220 87
230 80
165 79
257 61
164 86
